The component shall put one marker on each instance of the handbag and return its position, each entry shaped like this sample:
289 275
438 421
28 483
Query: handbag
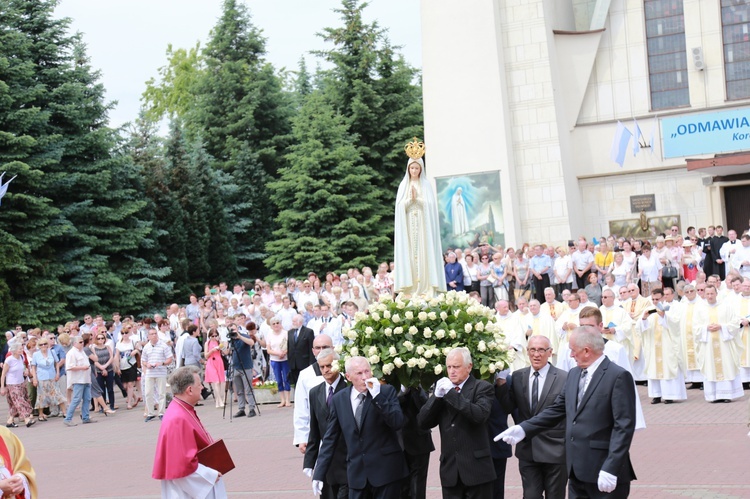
669 271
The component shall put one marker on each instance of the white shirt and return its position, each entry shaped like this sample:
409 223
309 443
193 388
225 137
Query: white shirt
542 377
591 370
306 381
354 398
582 259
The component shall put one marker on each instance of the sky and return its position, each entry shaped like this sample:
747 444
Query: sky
127 39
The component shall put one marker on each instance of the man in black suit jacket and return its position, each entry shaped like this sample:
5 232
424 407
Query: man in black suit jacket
367 416
461 405
541 460
417 442
321 396
300 341
719 265
598 407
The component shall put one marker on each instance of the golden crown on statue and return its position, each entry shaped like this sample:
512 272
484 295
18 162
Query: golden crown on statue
415 149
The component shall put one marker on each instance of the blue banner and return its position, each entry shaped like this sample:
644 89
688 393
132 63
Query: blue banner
710 133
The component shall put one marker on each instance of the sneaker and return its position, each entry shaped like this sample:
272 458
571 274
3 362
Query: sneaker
70 423
239 413
251 414
149 418
89 421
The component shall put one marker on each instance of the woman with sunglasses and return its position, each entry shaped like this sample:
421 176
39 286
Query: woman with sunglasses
215 374
45 371
126 351
105 371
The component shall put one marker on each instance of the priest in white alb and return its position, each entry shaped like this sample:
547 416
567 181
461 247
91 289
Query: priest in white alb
181 436
537 323
718 348
660 332
618 326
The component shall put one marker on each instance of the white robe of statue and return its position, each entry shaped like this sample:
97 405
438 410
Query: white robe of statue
458 213
417 254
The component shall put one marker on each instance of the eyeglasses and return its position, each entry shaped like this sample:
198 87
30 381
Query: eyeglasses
43 344
101 338
534 351
214 336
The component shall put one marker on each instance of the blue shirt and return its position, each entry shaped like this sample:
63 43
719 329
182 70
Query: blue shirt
242 357
539 263
45 367
60 352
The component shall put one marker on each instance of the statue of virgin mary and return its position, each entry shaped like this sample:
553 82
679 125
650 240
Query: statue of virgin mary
417 254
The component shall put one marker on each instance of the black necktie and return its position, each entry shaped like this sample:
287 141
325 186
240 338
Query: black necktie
296 333
330 396
535 392
358 412
581 386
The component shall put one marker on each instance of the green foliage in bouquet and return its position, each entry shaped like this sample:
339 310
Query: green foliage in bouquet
407 340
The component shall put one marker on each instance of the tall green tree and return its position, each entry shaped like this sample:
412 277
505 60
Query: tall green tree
242 114
379 94
330 210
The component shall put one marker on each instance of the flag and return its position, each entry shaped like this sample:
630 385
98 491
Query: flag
638 135
620 144
4 187
653 134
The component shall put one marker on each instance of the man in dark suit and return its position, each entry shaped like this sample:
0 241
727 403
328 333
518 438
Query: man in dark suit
367 416
598 407
461 405
321 397
300 341
417 442
719 265
541 460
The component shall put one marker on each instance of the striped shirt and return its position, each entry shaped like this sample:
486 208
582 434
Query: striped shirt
158 354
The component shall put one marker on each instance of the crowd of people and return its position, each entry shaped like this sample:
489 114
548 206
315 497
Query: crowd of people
671 311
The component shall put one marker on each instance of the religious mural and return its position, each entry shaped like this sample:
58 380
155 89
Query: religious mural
470 209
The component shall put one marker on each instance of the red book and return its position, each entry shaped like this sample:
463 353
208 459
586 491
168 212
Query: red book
216 456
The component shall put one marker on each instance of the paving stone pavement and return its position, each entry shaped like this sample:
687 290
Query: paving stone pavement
690 449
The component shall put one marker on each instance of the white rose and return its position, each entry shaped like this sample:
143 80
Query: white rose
427 332
360 316
386 314
438 369
427 354
432 316
398 330
447 350
420 350
492 368
449 301
413 330
411 362
352 335
400 305
369 330
408 345
372 351
375 316
468 328
440 334
434 303
482 346
354 351
456 312
335 366
392 350
409 315
388 331
388 369
422 363
396 319
479 326
338 349
452 334
375 359
436 352
422 316
398 362
443 315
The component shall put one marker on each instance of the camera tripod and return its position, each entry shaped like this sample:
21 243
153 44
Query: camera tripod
229 389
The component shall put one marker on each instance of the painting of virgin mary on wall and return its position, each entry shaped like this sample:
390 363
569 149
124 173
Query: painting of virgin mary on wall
470 210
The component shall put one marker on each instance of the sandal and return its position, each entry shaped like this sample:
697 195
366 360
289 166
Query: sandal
30 423
11 425
42 418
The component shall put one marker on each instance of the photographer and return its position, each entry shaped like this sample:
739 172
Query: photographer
242 362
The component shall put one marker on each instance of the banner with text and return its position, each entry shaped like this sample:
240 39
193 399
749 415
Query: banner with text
710 133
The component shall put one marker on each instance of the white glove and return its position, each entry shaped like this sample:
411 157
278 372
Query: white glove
308 472
373 386
607 483
503 374
317 486
442 386
512 435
